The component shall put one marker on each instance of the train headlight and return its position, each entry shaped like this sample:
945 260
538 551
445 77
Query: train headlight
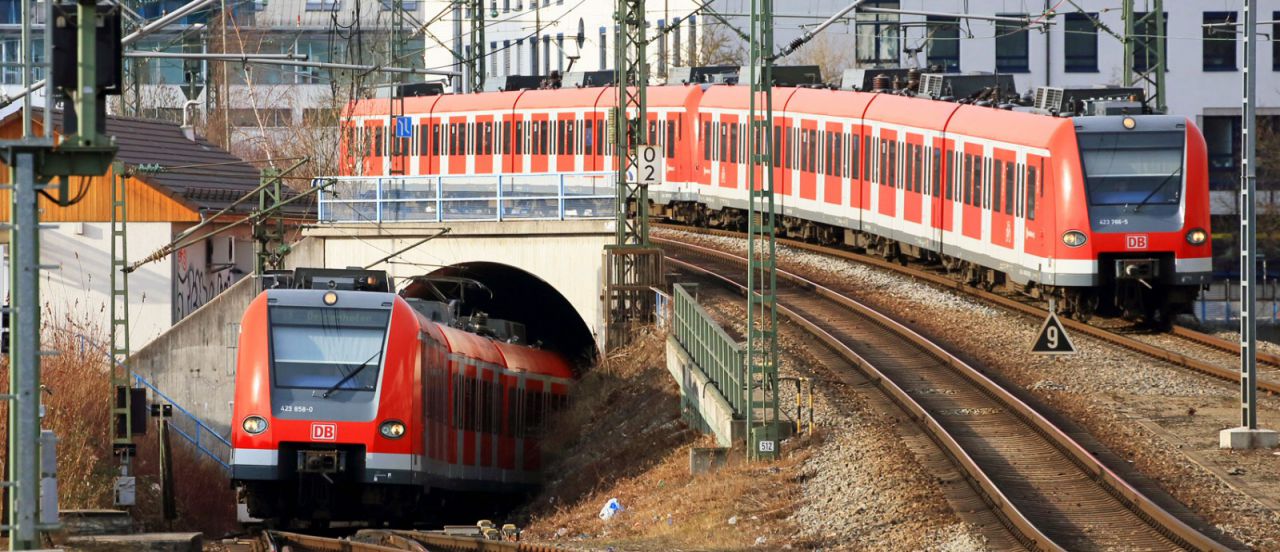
1197 236
392 429
330 297
1073 238
1130 123
254 425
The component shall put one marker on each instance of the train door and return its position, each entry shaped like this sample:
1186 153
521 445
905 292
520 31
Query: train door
486 399
868 190
853 174
483 159
673 149
912 182
832 156
971 211
539 140
808 152
1037 247
1003 167
534 393
934 198
888 176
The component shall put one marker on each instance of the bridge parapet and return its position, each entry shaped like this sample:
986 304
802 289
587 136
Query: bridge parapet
456 198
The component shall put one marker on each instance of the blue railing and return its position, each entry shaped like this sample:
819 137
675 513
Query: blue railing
186 424
558 196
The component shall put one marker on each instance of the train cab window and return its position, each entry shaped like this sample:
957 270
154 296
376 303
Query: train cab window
323 348
1031 193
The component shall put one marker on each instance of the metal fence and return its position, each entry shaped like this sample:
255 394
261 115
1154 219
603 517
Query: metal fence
559 196
718 355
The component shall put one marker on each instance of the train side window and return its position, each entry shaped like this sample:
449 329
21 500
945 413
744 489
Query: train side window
1031 193
422 139
505 147
735 146
866 158
977 180
967 182
777 146
936 172
814 151
723 143
997 185
854 157
560 137
588 135
435 139
840 160
908 165
707 141
671 141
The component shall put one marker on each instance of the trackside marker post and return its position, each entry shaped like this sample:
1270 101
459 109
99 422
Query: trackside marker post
1052 339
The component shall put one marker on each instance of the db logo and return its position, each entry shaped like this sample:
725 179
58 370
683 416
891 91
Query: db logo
324 432
1138 241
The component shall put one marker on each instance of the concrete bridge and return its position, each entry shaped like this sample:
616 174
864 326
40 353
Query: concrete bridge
535 241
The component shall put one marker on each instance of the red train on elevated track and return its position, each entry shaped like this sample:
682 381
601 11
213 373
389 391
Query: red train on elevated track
1101 212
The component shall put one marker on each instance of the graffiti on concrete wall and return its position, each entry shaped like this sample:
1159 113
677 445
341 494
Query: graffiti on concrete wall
195 282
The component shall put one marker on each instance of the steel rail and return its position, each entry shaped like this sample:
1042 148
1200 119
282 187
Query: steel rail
1160 520
397 541
1179 359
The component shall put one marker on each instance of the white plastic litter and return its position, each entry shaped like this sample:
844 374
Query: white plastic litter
733 520
611 509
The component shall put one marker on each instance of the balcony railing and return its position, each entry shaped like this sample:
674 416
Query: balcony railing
567 196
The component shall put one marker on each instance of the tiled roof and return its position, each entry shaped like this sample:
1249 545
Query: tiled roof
218 179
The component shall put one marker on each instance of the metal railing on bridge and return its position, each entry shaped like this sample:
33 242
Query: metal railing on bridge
720 356
551 196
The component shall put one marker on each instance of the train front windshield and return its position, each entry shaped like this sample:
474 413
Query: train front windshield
1133 168
327 349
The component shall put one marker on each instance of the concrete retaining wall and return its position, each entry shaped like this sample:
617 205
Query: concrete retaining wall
701 403
194 361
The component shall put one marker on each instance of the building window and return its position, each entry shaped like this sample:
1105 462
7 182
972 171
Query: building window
693 40
1219 41
406 5
1145 58
533 55
560 54
675 42
323 5
271 118
506 6
662 48
1275 44
1222 139
944 43
10 12
493 67
604 42
506 57
1012 48
1080 44
878 39
546 55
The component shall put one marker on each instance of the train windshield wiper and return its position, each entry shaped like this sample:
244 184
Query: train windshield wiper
1158 188
348 377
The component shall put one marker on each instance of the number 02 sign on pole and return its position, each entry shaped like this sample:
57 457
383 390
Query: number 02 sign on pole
648 165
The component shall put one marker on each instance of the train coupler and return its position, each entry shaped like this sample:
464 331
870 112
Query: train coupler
323 462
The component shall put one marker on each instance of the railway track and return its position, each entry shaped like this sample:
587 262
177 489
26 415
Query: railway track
1048 490
1265 383
380 540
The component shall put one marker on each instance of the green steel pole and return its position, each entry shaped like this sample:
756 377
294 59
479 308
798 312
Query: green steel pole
762 318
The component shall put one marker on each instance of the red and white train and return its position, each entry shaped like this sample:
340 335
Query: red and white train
1100 212
354 403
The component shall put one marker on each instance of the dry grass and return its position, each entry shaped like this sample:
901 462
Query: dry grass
76 396
622 437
